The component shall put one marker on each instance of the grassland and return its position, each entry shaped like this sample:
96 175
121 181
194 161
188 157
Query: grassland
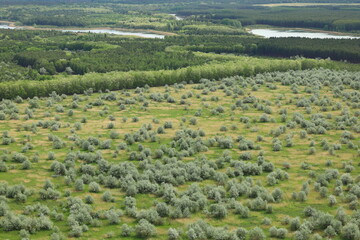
216 141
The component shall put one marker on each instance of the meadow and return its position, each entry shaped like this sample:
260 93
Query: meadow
269 156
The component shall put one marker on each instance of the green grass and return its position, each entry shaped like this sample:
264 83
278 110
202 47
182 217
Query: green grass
35 177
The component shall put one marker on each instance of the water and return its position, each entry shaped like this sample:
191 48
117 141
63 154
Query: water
2 26
101 31
116 32
177 17
268 33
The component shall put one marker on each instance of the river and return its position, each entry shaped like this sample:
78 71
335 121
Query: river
275 33
101 31
176 17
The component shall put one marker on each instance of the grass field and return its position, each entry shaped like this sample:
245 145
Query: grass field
215 151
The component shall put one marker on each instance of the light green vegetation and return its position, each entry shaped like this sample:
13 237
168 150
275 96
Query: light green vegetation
230 153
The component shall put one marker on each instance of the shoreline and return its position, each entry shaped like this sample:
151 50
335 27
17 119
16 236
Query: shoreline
248 29
12 24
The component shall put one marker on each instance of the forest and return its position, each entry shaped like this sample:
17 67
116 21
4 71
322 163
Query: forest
39 55
170 120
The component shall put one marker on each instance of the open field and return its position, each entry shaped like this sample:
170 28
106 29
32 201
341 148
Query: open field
236 153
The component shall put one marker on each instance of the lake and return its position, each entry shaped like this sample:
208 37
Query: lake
268 33
100 31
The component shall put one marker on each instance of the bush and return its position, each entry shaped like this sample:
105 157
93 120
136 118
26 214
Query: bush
277 194
173 234
107 197
3 167
113 216
193 121
223 129
278 232
217 211
94 187
162 209
332 200
295 224
241 233
126 230
144 229
256 234
79 185
114 135
350 232
26 165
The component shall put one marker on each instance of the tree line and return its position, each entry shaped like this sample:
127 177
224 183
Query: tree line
336 49
245 66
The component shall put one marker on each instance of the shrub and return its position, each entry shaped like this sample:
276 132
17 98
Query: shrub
114 135
223 128
193 121
217 211
126 230
3 167
241 233
26 165
162 209
277 194
332 200
89 199
94 187
107 197
295 224
278 232
113 216
256 234
350 232
173 234
79 185
144 229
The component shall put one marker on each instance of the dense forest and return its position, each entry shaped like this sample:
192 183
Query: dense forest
149 15
336 49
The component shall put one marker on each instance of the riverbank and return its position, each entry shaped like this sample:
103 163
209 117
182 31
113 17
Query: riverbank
50 28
